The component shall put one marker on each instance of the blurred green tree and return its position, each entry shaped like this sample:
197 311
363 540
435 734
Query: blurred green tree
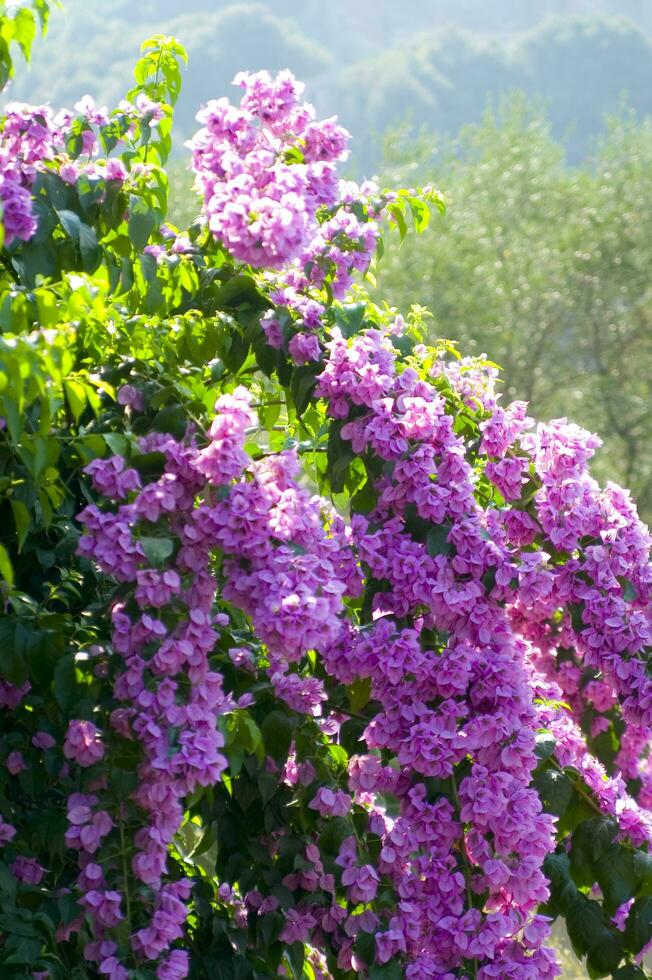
544 267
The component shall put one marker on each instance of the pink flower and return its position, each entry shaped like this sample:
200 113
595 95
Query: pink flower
332 803
362 882
7 832
83 743
27 870
304 347
130 397
15 763
42 740
104 907
175 967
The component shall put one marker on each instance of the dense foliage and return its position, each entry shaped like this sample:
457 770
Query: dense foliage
317 660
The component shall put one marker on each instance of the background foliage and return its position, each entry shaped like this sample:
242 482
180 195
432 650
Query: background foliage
437 61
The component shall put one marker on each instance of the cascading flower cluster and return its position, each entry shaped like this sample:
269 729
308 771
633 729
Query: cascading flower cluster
170 697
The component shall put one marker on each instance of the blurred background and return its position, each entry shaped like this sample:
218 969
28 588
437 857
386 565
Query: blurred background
531 115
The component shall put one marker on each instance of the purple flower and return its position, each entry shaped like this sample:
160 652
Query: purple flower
83 743
43 740
333 803
15 763
27 870
304 347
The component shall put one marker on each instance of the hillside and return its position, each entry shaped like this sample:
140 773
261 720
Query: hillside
436 62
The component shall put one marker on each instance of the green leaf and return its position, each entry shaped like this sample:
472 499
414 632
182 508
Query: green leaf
18 927
616 876
628 973
333 834
358 693
24 30
339 456
365 947
21 520
301 388
437 541
157 550
76 397
70 222
268 785
606 952
116 442
350 318
12 665
591 839
142 221
365 499
389 971
277 731
638 927
6 568
172 419
149 464
420 214
585 922
66 690
24 952
642 863
629 593
238 291
544 745
91 253
396 212
555 790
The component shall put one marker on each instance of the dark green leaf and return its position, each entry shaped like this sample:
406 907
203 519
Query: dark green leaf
629 973
544 745
606 952
389 971
555 790
638 927
301 387
91 253
277 730
585 922
350 319
437 541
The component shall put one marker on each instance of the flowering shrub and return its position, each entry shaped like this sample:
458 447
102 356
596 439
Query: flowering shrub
317 660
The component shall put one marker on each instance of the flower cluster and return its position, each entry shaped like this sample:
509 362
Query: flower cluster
169 697
265 167
34 139
280 567
30 136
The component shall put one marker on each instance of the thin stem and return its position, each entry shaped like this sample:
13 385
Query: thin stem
466 870
125 874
